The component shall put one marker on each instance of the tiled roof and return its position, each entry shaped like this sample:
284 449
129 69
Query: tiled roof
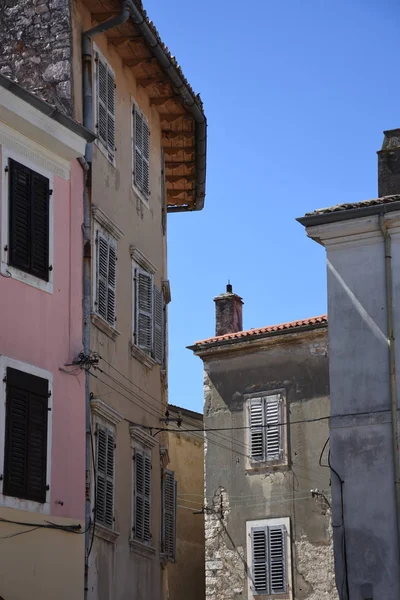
352 205
284 327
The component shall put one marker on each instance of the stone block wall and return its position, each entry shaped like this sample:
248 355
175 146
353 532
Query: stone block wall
35 40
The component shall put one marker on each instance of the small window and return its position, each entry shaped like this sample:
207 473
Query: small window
25 458
106 270
29 199
105 106
104 476
149 316
142 492
141 151
269 560
266 431
169 500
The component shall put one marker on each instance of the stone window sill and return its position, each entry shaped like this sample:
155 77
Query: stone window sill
109 535
270 467
142 549
143 357
101 324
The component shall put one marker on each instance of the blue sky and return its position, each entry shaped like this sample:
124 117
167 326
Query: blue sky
297 95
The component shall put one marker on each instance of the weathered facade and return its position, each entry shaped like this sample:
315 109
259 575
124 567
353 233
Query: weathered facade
362 243
105 64
186 576
266 396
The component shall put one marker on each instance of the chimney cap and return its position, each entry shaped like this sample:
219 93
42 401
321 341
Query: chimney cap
229 287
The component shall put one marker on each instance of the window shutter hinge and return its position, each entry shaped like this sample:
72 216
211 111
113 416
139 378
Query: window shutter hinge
6 169
50 267
5 248
1 477
47 487
5 379
50 192
49 394
49 408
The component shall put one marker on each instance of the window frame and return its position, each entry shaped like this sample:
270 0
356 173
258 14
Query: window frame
5 268
11 501
270 522
98 142
274 462
135 107
111 239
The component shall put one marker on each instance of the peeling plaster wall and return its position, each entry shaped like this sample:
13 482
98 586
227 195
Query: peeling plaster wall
236 493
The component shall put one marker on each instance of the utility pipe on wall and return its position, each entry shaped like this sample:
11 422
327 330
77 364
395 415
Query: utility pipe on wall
392 365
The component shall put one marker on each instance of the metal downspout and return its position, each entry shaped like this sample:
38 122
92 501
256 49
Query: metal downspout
87 102
392 365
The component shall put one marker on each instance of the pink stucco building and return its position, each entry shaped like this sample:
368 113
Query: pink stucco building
42 399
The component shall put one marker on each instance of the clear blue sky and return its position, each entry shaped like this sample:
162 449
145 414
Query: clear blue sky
297 94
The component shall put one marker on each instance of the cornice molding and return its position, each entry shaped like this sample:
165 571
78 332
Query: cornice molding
138 435
142 260
103 410
106 222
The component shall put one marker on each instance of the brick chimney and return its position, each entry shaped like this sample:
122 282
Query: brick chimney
228 312
389 164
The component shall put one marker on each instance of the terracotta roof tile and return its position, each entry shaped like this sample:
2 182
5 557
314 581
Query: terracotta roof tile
264 330
352 205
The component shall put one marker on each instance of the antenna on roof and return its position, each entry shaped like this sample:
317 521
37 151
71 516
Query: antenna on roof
229 287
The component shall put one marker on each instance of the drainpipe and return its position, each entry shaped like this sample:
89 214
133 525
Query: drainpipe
392 365
87 163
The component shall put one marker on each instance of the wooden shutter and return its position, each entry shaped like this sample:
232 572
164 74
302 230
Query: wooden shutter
146 157
142 494
158 320
106 106
277 559
169 498
144 310
110 112
273 419
141 151
259 546
163 194
105 477
257 429
106 278
29 220
112 266
25 462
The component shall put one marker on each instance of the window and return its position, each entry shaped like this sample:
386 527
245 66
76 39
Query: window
141 151
29 217
105 105
148 315
268 557
106 266
169 499
26 430
142 492
104 502
266 428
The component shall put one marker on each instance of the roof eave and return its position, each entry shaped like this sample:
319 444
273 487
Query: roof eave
347 214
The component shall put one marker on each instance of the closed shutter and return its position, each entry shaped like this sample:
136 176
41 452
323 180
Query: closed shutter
169 497
158 325
142 494
25 462
277 559
144 310
259 545
141 151
106 278
105 477
269 559
257 429
106 106
273 418
29 220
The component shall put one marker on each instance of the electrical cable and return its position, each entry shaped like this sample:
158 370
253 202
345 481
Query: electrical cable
48 525
7 537
345 581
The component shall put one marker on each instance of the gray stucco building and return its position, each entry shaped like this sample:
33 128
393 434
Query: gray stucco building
267 499
362 243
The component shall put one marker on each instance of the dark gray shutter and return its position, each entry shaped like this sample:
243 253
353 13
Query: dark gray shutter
146 157
141 151
257 429
163 194
105 477
277 559
106 278
111 283
106 106
259 546
144 310
25 461
147 499
169 498
29 220
110 112
142 493
273 434
158 325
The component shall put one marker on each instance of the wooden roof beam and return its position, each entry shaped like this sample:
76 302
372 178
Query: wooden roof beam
161 100
104 16
180 164
175 193
178 178
138 62
120 40
172 117
177 135
175 149
149 81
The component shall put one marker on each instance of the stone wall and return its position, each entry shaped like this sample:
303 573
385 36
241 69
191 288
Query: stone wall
35 39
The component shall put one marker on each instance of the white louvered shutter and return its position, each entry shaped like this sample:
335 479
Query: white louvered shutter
259 546
141 150
277 559
144 310
169 513
142 493
273 419
257 429
158 325
106 277
105 477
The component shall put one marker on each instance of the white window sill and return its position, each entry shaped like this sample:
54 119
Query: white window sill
104 326
14 273
105 533
273 465
141 548
143 357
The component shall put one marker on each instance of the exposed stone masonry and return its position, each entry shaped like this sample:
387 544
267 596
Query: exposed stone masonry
35 38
